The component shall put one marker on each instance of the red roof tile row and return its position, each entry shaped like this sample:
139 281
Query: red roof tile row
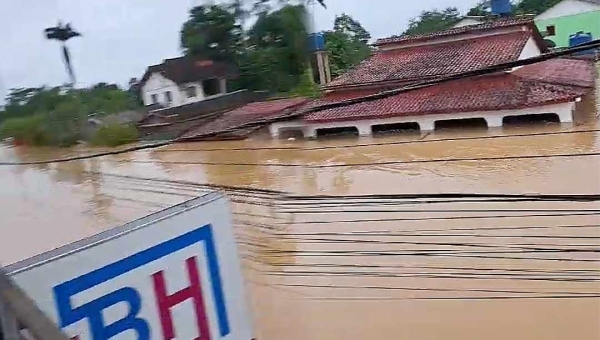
561 71
490 25
250 113
431 61
489 93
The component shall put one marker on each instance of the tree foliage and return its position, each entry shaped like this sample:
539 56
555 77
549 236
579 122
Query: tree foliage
115 135
482 9
101 98
433 21
57 115
347 25
278 44
519 7
347 44
534 6
211 32
271 54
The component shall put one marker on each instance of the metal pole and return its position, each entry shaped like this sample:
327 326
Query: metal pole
17 306
9 329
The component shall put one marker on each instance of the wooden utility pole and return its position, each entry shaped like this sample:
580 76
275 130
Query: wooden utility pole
17 309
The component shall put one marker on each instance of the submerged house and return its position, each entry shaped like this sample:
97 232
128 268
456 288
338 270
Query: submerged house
553 87
184 92
184 80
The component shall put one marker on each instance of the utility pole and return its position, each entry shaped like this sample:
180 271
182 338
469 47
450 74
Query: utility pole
17 309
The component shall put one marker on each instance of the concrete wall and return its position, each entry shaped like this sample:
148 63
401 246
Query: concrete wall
566 8
494 119
530 50
571 24
159 85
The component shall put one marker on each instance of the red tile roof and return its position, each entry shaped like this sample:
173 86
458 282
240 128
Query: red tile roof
249 113
561 71
490 25
426 62
525 88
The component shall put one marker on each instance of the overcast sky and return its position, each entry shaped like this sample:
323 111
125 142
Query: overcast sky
122 37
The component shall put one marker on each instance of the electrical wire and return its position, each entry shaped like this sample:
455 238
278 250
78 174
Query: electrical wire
351 146
286 198
449 218
345 165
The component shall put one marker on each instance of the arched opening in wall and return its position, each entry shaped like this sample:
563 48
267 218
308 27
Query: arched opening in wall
291 133
340 132
387 129
535 119
465 124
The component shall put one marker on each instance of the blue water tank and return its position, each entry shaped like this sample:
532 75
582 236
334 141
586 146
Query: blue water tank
316 42
580 38
501 7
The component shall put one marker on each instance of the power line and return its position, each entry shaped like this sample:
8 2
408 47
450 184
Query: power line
355 211
286 198
440 218
327 166
419 141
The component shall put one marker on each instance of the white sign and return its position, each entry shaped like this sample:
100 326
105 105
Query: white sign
171 275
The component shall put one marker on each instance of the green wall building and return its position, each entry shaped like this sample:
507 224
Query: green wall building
569 17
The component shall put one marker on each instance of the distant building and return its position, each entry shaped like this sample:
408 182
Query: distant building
570 17
184 80
552 87
468 21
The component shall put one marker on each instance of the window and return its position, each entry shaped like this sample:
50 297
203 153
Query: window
550 31
211 87
168 97
154 99
191 91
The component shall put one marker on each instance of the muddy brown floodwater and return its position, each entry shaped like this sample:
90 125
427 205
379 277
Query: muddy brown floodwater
355 268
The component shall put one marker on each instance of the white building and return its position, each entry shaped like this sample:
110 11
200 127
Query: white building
182 81
569 7
548 90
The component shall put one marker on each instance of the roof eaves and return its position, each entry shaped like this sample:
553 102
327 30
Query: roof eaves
456 31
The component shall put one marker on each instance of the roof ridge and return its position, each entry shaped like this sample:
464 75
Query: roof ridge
492 24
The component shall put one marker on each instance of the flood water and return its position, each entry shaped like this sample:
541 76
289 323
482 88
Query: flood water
360 268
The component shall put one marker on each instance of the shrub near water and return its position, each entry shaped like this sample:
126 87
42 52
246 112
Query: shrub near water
114 135
26 130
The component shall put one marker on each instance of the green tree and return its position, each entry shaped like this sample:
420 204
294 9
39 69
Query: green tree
64 125
57 116
212 32
277 53
482 9
63 33
534 6
272 54
347 25
307 86
347 44
433 21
